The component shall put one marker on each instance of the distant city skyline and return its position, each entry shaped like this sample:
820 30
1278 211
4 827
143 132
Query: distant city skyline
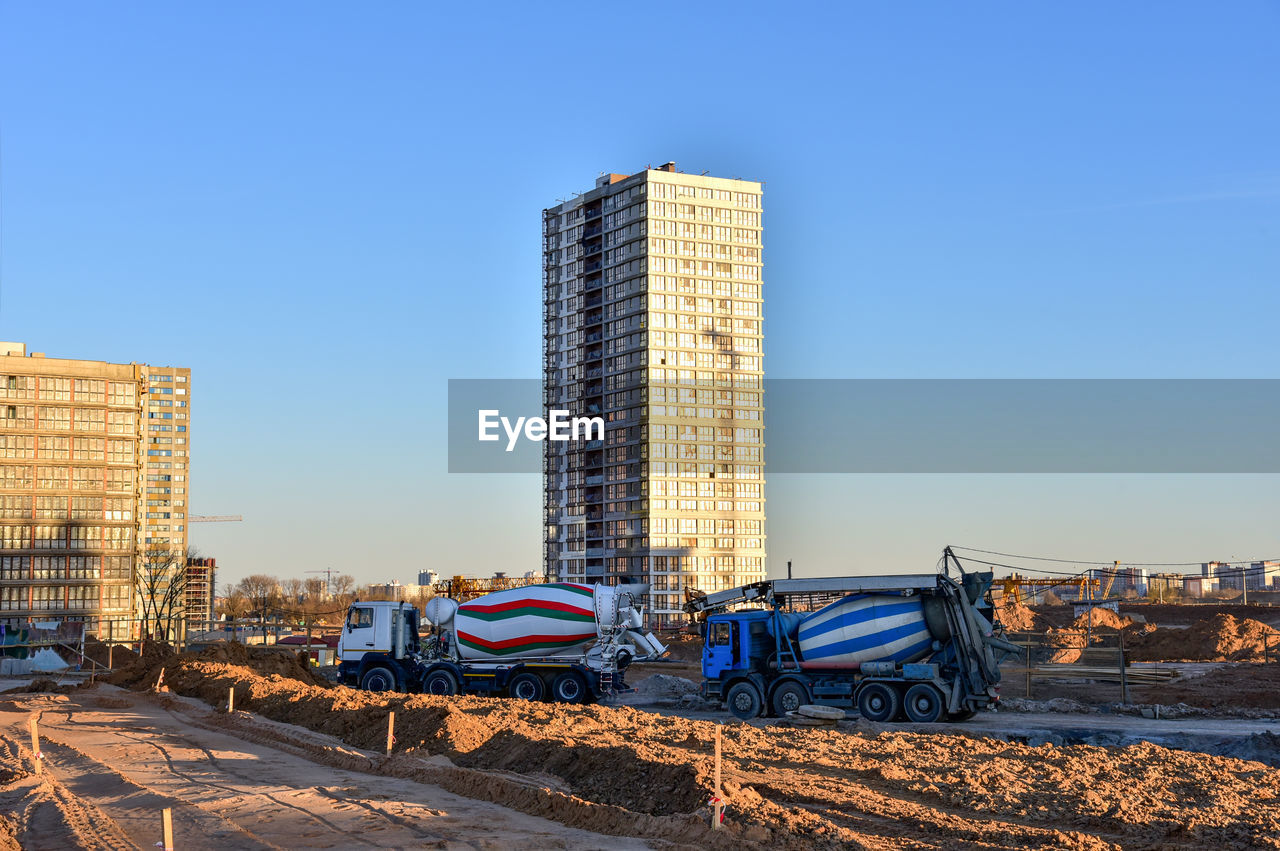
326 213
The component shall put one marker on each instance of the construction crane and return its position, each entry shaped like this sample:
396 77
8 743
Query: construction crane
215 518
328 578
1011 585
463 588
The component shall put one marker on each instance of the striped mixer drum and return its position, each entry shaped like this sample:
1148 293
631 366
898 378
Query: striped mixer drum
536 620
865 628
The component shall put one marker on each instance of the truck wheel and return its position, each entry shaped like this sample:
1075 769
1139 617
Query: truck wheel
378 679
569 688
923 703
878 702
526 687
788 697
441 683
744 701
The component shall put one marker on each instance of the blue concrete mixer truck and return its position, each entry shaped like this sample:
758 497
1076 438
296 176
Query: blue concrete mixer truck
922 647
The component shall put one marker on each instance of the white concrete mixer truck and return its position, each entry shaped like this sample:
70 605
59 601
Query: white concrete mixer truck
919 647
565 642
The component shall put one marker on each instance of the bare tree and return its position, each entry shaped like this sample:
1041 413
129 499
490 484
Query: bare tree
343 586
292 588
233 603
315 606
161 585
263 594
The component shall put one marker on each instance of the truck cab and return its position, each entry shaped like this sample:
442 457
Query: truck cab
378 646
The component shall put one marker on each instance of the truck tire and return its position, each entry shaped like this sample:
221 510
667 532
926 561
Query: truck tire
569 688
923 703
878 702
788 697
526 686
744 701
378 679
442 683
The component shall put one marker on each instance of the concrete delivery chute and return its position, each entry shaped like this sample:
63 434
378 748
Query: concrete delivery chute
923 647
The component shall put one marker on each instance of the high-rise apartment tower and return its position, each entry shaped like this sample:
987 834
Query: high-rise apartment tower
652 314
93 488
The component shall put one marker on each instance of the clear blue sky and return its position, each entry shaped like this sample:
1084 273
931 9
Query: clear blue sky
327 210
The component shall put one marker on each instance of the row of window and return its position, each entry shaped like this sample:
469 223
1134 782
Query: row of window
19 506
67 419
69 448
739 505
93 390
66 537
66 598
19 568
25 477
675 191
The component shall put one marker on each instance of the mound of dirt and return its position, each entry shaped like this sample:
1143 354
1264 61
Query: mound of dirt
1100 617
1222 638
257 661
645 774
117 656
1073 639
42 686
1017 617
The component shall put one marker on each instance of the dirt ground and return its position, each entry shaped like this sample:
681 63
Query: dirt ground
302 764
113 760
618 771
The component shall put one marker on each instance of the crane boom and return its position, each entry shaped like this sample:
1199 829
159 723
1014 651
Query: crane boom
215 518
780 589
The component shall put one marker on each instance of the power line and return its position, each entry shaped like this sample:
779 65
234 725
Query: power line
1099 563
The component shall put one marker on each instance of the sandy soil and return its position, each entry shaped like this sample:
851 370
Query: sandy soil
113 760
627 772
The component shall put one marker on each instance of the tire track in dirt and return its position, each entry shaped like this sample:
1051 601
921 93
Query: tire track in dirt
142 738
48 815
222 787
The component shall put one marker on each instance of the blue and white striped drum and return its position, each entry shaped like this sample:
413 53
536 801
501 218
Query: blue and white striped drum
865 628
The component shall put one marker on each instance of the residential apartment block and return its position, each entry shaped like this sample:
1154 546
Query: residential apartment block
653 312
93 486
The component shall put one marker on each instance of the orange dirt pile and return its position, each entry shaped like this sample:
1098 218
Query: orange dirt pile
1017 617
1097 617
156 656
650 775
1073 638
118 657
1222 638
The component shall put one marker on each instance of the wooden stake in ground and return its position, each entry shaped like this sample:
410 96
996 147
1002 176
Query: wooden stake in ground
231 700
167 816
717 805
1124 679
111 650
391 732
1028 694
35 744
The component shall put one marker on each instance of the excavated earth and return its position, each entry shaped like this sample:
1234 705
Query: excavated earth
1222 638
627 772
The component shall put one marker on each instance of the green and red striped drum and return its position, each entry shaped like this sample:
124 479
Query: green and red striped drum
537 620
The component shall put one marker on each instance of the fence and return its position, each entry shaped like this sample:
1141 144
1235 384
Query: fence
1083 663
